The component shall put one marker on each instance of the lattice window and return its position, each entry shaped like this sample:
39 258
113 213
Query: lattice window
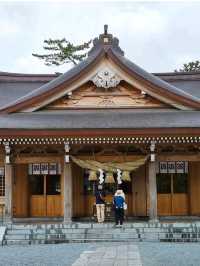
2 182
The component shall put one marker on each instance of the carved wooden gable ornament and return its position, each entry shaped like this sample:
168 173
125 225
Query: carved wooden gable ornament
106 79
106 89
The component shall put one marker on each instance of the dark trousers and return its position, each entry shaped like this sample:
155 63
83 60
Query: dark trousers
119 216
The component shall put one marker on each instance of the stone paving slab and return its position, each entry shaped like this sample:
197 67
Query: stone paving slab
122 255
151 254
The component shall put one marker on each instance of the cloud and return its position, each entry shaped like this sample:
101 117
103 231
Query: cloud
8 28
142 21
30 64
156 36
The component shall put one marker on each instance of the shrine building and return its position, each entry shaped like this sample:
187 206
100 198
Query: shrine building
104 121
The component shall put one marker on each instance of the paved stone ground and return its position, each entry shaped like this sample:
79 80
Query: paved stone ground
122 255
138 254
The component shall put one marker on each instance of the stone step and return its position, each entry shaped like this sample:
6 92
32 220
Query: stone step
16 232
99 231
16 242
142 235
91 232
136 225
89 240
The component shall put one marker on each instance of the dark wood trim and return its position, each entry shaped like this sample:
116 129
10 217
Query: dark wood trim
148 132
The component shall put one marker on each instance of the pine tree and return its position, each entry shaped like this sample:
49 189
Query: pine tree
63 52
191 66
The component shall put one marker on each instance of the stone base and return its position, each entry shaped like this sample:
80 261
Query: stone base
106 232
153 221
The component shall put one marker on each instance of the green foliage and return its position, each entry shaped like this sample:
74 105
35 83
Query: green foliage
191 66
63 52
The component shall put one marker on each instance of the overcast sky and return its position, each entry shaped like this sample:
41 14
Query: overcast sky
157 36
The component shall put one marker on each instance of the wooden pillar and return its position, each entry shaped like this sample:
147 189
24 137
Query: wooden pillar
152 191
8 190
67 192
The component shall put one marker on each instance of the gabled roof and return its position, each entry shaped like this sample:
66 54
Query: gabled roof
159 86
101 119
106 46
54 85
16 85
20 77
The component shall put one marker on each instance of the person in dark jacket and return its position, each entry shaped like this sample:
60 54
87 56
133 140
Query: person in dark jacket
119 201
100 204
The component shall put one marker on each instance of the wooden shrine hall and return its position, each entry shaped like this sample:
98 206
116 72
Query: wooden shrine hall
106 113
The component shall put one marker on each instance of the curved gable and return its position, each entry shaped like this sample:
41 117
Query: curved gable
105 53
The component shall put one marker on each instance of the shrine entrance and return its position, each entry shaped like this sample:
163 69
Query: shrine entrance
85 183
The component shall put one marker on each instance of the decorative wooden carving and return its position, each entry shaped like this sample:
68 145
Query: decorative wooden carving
123 96
106 79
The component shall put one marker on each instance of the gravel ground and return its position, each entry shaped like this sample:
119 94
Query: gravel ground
152 254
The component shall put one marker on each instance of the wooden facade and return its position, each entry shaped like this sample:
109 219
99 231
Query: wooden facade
172 204
108 110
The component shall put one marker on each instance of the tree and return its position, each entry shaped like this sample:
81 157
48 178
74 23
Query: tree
191 66
63 52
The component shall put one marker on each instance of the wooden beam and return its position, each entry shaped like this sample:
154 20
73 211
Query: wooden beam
25 159
152 191
139 132
8 190
68 207
179 157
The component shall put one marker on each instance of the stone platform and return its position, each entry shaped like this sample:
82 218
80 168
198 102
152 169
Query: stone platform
94 232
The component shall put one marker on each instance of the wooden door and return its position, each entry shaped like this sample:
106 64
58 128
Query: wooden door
194 170
37 185
54 205
180 204
139 196
45 199
20 191
53 195
172 197
38 206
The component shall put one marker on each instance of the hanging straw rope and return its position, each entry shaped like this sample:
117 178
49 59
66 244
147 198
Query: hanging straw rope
110 166
126 176
92 176
109 178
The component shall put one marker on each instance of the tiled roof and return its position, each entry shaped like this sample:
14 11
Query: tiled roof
101 119
175 87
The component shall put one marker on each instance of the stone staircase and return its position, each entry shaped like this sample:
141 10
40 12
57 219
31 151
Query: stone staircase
93 232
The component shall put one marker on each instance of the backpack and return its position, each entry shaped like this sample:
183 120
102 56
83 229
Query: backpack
119 201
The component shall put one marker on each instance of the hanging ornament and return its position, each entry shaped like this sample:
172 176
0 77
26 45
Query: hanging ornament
101 176
119 176
92 176
126 176
109 178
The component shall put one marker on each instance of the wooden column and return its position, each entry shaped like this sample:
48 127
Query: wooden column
8 190
67 192
152 191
